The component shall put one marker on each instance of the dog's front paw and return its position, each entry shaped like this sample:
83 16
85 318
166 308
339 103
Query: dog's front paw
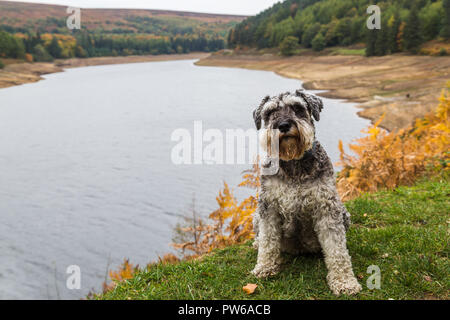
264 271
344 285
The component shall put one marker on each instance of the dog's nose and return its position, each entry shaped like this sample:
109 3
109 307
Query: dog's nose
284 126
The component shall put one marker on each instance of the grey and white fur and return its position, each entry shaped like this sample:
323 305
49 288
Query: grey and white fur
299 209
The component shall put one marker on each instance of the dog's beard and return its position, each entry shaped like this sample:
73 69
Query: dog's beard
290 148
293 144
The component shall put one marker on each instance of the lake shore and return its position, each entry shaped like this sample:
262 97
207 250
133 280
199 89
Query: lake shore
402 87
17 73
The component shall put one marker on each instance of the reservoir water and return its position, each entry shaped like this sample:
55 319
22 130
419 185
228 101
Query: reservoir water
86 176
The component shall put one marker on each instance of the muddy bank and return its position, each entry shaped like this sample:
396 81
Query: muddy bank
401 86
19 73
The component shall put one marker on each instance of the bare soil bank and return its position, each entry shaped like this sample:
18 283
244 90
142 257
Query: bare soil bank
20 73
401 86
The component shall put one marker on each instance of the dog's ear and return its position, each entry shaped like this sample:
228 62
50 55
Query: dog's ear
315 104
257 113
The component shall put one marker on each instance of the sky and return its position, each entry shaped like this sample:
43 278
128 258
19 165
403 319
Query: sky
239 7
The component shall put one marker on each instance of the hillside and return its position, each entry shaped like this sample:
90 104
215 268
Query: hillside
405 25
39 33
404 232
24 17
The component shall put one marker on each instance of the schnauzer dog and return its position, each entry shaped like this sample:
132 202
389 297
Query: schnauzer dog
299 209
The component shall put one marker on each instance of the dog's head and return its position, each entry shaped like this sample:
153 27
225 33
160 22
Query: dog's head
291 116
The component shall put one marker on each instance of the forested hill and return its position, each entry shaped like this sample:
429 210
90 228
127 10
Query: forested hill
38 32
406 24
25 17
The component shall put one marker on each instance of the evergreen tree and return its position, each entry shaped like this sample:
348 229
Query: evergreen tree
343 23
40 54
445 32
394 27
36 40
412 34
310 33
288 46
81 53
318 43
381 43
371 39
55 49
11 46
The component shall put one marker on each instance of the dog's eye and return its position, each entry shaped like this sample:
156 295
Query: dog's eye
300 111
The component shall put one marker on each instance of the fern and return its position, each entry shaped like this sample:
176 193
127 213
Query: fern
388 160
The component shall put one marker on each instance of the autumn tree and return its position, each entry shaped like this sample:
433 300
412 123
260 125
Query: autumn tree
400 37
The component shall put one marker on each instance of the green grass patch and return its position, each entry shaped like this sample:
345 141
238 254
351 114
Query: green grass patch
404 232
349 52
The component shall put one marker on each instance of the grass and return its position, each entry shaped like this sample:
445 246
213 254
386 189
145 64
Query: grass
349 52
405 232
7 61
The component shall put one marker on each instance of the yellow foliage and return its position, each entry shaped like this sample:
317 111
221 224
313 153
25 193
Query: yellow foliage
66 42
387 160
28 57
125 272
230 224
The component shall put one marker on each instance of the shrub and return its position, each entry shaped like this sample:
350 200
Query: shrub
288 46
41 55
231 224
318 43
28 57
443 52
387 160
1 64
81 53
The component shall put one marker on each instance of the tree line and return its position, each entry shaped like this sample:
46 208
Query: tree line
47 47
317 24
